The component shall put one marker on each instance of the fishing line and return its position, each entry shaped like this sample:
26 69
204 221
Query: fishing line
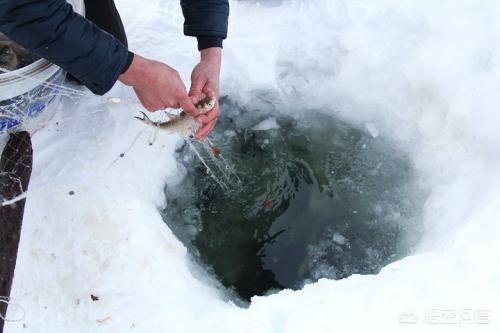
209 170
227 166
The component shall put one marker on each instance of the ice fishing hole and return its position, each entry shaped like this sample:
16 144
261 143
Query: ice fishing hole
320 199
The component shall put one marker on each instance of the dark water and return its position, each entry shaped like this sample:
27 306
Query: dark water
320 199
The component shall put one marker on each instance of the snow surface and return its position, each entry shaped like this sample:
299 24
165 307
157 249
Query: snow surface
424 73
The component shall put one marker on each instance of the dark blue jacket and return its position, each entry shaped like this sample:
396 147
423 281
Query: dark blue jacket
53 31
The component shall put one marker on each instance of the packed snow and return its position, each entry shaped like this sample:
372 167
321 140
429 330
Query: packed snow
423 73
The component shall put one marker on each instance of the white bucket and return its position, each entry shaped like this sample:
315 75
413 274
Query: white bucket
28 95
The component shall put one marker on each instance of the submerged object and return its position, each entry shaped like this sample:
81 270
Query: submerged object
215 150
268 203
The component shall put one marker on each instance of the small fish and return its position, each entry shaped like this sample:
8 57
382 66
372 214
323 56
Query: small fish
206 104
183 123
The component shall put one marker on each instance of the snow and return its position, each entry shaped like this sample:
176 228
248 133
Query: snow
424 74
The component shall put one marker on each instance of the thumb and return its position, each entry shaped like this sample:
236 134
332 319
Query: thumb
195 92
208 91
187 106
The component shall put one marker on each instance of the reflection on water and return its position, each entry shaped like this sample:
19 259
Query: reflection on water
320 199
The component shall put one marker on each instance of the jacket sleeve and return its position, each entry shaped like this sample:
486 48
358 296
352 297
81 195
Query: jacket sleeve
52 30
207 20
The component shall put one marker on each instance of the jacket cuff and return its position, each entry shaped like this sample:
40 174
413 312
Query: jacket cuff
204 42
130 58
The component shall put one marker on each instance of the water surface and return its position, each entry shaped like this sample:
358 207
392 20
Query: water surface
320 199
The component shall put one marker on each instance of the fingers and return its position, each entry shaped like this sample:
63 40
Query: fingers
208 90
208 120
187 106
205 130
195 92
149 104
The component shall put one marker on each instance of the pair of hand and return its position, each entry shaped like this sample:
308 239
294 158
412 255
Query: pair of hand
159 86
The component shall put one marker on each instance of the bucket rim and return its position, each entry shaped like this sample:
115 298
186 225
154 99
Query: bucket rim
21 73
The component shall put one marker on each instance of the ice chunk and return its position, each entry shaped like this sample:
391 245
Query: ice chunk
372 129
229 133
267 124
339 239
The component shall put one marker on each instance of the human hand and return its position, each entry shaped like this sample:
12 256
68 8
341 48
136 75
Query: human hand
205 82
157 86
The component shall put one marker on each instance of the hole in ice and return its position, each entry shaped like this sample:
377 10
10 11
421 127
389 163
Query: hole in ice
319 199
